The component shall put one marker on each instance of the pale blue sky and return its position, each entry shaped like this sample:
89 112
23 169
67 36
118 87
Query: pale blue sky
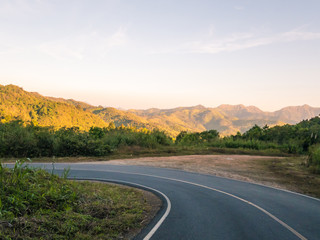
168 53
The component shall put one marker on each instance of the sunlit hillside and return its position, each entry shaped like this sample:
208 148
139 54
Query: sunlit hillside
17 104
227 119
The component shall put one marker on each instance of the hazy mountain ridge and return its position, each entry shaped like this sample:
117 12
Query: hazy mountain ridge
77 104
15 103
227 119
294 114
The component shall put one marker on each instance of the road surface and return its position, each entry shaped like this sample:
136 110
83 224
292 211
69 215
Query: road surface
198 206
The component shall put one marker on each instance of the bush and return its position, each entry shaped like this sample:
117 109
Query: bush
17 140
314 158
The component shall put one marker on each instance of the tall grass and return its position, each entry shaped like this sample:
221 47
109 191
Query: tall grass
35 204
25 190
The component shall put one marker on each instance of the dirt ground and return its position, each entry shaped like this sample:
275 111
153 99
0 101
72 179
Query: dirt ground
280 172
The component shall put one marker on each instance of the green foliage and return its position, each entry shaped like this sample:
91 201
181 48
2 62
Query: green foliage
202 138
291 139
25 190
314 158
35 204
20 140
17 140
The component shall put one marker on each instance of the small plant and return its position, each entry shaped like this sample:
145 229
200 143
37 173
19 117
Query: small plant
53 167
66 173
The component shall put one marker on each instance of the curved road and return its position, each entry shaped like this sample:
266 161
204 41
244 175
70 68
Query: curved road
200 206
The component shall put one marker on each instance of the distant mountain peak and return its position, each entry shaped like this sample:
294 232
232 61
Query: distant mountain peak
297 107
230 106
239 107
199 106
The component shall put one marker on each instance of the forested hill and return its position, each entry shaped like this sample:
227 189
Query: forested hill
17 104
120 117
227 119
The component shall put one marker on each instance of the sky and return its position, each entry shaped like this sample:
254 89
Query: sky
142 53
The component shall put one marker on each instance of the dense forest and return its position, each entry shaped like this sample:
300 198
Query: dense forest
18 139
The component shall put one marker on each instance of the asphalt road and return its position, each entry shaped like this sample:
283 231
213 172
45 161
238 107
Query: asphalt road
198 206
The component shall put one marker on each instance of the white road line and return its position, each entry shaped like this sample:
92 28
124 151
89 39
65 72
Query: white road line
228 178
216 190
250 203
165 215
243 181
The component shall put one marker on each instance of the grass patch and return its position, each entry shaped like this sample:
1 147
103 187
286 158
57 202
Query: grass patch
293 173
35 204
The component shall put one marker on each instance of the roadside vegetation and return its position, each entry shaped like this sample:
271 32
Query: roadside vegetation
18 139
314 158
35 204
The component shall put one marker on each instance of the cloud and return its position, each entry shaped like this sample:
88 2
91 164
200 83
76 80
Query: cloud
239 8
78 47
297 35
241 41
119 38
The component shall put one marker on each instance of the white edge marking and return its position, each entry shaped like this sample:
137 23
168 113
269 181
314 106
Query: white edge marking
165 215
237 180
297 234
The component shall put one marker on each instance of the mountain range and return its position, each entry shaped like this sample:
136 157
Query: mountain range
15 103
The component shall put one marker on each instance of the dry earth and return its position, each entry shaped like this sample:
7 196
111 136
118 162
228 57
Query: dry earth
280 172
238 167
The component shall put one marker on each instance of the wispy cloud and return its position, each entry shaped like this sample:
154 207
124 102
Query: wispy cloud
86 45
211 44
119 38
242 41
239 8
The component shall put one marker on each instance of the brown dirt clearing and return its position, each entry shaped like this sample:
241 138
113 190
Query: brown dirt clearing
282 172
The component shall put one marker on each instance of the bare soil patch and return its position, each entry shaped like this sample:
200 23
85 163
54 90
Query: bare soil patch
288 173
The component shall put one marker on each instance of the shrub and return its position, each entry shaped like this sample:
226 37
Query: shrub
314 158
